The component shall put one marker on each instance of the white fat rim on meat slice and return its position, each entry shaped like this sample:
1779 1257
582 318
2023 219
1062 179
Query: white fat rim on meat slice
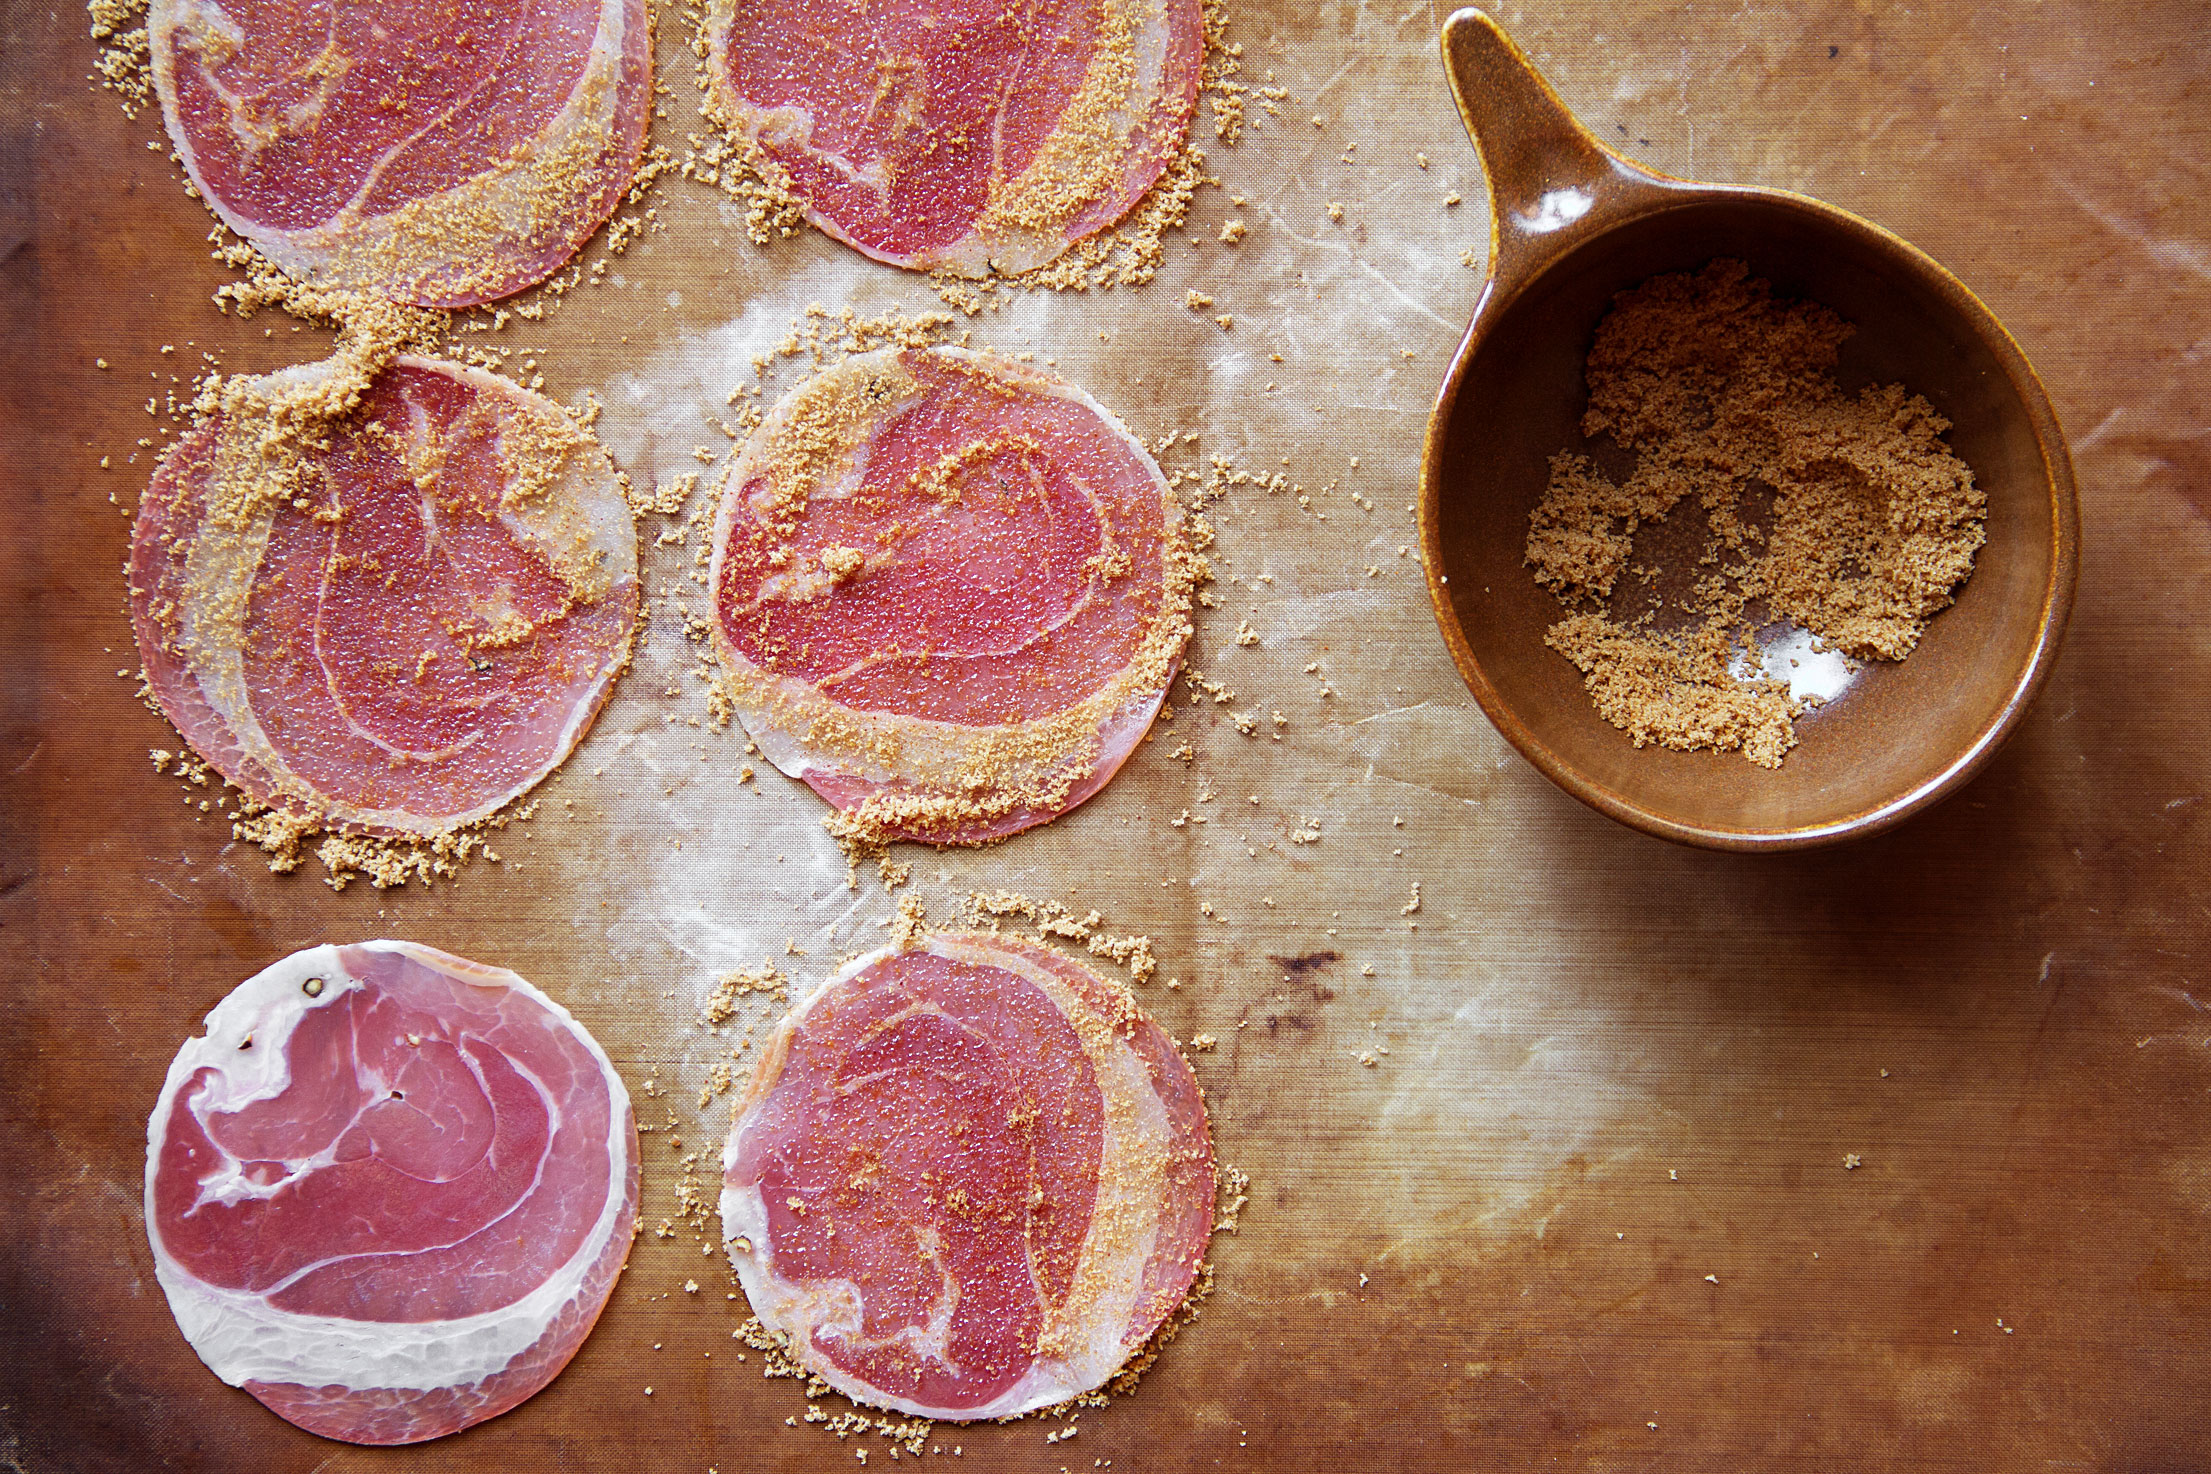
217 574
1109 1275
592 103
936 744
241 1336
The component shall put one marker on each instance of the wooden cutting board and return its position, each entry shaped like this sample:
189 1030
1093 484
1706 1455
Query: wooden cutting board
1890 1156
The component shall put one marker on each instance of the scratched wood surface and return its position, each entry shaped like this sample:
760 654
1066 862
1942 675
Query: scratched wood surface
1590 1206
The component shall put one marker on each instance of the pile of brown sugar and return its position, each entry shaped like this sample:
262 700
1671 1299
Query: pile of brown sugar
1727 395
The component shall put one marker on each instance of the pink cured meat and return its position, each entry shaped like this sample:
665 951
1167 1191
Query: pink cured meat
1012 606
389 1190
426 637
441 154
959 134
968 1180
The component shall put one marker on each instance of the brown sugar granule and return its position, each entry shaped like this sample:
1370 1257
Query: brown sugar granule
1677 690
722 1004
125 67
1726 395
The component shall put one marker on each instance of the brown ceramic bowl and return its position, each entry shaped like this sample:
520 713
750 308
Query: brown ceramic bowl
1572 224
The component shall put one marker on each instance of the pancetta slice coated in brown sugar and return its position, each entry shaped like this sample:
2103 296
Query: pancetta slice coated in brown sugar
439 154
393 621
969 1179
950 593
962 135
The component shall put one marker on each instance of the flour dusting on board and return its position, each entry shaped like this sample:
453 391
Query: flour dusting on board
1310 773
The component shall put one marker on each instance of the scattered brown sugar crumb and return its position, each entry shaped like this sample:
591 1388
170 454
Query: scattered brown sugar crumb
1230 1193
125 67
911 1434
721 1004
693 1202
1727 396
1677 690
984 911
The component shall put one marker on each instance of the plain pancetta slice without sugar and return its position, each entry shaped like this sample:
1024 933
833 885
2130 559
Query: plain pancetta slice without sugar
969 1179
395 620
965 135
950 593
441 154
389 1190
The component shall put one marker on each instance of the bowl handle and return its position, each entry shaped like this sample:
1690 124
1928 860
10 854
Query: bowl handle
1551 183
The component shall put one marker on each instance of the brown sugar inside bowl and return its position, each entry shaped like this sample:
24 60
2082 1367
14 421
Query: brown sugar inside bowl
1902 734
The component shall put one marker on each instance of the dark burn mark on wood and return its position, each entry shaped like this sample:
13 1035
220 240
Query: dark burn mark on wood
1297 969
1303 969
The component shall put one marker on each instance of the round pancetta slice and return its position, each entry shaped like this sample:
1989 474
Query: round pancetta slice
437 154
965 135
393 621
968 1180
950 593
389 1190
